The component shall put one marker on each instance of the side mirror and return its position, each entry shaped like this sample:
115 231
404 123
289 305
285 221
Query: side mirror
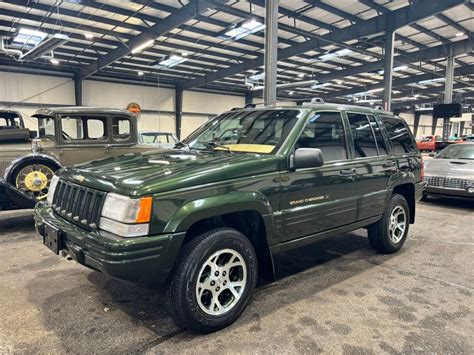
432 155
307 158
33 134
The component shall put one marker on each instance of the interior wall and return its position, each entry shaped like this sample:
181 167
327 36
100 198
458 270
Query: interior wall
158 104
42 90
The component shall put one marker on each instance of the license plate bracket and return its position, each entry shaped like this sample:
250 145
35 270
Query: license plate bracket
52 239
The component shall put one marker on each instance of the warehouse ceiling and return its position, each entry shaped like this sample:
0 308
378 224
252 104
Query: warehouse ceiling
332 49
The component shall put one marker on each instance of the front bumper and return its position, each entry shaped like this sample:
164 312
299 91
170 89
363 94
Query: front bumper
444 191
146 260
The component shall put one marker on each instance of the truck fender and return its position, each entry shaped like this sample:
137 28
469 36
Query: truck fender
27 158
213 206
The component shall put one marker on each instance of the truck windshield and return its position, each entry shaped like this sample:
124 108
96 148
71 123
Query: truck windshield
46 127
261 131
457 151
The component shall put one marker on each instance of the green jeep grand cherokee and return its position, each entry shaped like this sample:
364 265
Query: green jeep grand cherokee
208 217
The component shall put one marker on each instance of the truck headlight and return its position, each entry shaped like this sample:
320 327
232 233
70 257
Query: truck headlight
125 216
52 189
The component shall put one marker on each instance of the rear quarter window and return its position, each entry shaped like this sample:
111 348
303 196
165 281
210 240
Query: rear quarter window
399 134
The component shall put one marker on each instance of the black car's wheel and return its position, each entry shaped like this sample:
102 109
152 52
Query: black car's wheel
213 281
389 234
33 178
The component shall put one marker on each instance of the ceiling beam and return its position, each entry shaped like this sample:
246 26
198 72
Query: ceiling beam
379 24
179 17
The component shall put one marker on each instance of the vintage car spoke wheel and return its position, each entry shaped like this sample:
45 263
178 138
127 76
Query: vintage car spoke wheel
221 282
389 233
34 180
213 280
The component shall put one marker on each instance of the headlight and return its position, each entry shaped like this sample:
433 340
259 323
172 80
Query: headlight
52 189
125 216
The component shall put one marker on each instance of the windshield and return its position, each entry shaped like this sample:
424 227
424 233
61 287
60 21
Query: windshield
262 131
46 127
457 151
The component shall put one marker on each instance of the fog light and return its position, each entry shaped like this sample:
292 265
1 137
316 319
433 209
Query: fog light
470 190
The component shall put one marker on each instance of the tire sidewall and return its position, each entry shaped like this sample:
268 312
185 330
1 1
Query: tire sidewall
396 200
221 239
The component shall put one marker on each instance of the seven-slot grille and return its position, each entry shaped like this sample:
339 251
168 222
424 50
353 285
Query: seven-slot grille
79 204
447 182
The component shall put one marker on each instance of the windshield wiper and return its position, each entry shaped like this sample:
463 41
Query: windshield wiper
214 145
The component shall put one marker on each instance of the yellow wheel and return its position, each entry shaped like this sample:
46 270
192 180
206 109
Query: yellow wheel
34 179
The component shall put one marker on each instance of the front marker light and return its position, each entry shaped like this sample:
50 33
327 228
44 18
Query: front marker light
52 189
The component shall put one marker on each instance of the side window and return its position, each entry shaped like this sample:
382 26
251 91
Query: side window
325 131
364 140
399 133
121 128
382 147
83 128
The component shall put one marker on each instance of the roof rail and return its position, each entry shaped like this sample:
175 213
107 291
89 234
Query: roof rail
250 106
314 101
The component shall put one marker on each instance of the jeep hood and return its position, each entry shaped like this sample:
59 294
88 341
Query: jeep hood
153 172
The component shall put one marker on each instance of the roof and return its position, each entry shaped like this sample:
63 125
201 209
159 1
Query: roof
79 110
4 113
308 31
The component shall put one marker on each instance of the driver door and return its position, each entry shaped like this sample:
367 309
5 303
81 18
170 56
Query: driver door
314 200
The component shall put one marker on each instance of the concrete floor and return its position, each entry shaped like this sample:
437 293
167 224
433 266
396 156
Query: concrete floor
337 296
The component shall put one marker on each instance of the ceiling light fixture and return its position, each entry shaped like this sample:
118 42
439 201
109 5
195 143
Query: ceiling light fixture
301 75
143 46
460 34
401 67
240 31
45 46
338 54
140 73
171 62
88 35
54 61
430 81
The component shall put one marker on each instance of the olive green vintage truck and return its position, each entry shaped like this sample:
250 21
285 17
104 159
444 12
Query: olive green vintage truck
207 219
66 136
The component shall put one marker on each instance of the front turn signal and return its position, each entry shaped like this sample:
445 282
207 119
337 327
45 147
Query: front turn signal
144 210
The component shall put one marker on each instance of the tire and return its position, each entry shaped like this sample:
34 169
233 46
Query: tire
47 170
381 236
192 306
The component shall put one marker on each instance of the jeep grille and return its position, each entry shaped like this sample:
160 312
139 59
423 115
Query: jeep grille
78 204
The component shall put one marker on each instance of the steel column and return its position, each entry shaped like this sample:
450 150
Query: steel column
271 50
448 92
416 122
78 89
388 70
178 102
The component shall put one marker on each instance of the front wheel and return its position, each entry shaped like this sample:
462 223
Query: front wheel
213 281
389 234
33 178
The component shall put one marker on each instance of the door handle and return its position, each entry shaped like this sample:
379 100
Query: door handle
347 172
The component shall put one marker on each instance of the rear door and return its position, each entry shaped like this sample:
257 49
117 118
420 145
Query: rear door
318 199
373 164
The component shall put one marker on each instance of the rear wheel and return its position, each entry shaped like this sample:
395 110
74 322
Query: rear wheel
33 178
213 281
389 234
